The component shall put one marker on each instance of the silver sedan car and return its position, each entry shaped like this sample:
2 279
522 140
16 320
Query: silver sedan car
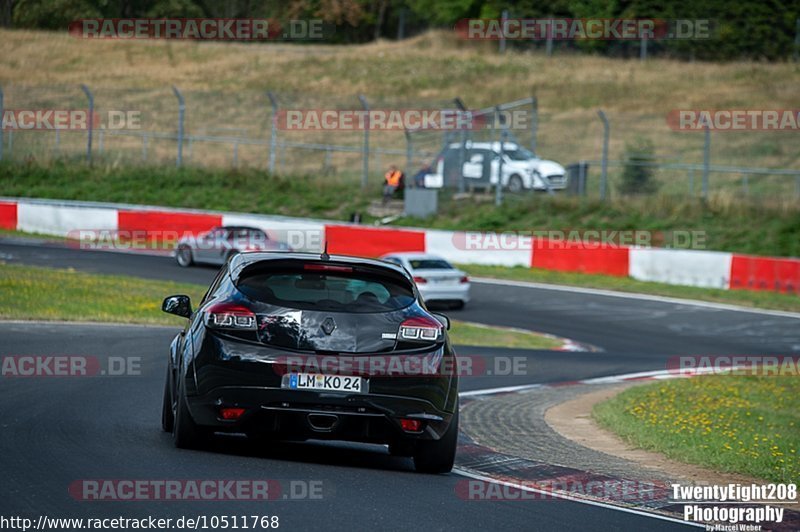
436 279
217 245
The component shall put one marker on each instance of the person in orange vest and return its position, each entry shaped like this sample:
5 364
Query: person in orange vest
393 181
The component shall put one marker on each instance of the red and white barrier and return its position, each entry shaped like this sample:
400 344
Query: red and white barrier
58 219
710 269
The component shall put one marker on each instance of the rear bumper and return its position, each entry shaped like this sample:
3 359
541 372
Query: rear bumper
292 414
458 292
228 373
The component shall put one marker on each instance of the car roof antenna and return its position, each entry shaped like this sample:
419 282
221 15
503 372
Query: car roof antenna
325 255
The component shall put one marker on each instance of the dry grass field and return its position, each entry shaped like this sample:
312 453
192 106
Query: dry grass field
225 86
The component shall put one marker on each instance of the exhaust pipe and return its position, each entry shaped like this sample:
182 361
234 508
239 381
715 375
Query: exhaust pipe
322 422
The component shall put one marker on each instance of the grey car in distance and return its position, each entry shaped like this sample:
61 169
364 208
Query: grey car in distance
220 243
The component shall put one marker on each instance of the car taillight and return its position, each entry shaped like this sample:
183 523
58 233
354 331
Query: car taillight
420 280
230 316
464 279
420 329
231 414
411 425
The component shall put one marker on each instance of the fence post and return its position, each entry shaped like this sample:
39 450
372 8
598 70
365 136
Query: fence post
181 115
691 182
273 138
534 122
461 148
549 42
2 112
401 24
643 48
706 160
498 191
797 41
409 151
604 162
797 185
365 154
503 22
90 97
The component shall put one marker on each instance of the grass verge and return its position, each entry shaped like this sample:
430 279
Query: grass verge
719 224
745 298
50 294
731 423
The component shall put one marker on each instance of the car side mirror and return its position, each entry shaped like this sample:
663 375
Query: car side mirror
180 305
444 320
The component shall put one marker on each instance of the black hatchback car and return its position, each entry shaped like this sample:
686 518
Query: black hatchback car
298 346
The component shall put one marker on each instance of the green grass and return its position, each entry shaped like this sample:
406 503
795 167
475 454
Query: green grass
762 229
50 294
246 190
464 333
738 424
745 298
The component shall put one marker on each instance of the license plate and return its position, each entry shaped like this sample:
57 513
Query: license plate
318 381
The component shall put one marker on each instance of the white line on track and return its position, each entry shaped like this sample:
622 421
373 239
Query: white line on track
633 295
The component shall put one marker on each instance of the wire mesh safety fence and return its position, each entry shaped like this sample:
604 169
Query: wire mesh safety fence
307 134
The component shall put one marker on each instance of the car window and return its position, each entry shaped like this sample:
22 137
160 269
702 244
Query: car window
339 292
248 233
520 154
217 232
430 264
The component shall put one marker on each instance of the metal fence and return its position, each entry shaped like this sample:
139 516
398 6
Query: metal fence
242 129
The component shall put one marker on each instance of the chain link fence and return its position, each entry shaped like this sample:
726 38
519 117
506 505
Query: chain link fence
637 153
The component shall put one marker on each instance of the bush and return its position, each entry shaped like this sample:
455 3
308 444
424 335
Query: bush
637 178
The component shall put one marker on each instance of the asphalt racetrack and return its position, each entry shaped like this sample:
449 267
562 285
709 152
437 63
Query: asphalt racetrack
56 431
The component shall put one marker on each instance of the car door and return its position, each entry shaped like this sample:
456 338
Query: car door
208 246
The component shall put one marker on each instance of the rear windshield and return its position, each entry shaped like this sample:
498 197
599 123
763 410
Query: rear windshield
430 264
339 292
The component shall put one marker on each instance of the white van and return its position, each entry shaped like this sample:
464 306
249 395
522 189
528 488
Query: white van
521 168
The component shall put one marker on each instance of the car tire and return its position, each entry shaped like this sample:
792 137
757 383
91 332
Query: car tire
167 415
515 184
184 256
186 434
438 456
